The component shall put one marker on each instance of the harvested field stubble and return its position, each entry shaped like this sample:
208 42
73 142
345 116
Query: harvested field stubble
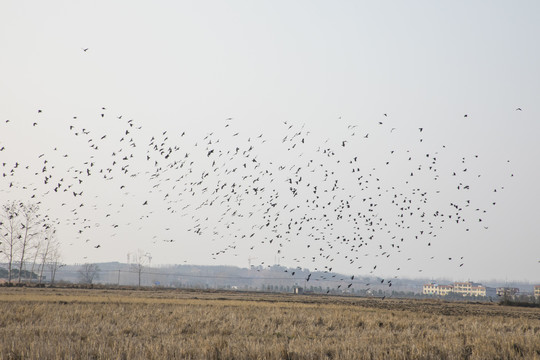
114 324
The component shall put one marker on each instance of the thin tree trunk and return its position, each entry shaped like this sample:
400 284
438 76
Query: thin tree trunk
23 250
44 260
34 262
11 248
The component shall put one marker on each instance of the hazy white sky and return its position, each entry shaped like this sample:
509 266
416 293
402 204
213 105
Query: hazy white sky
320 66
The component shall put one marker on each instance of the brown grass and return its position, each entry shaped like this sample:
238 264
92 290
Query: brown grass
116 324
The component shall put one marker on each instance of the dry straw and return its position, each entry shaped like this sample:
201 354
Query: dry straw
115 324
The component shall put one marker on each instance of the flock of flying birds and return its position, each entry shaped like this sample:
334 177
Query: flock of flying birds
313 201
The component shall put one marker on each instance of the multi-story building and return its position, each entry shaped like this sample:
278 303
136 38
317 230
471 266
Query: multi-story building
478 290
430 289
537 291
462 288
445 289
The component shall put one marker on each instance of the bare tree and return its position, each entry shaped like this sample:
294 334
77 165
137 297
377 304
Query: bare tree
88 273
141 259
10 233
37 248
48 244
29 230
54 261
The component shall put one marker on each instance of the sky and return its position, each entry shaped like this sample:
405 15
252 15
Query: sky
296 87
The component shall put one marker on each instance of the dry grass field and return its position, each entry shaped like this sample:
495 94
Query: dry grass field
161 324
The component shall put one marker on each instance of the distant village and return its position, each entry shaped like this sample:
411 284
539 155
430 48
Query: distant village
469 288
272 279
